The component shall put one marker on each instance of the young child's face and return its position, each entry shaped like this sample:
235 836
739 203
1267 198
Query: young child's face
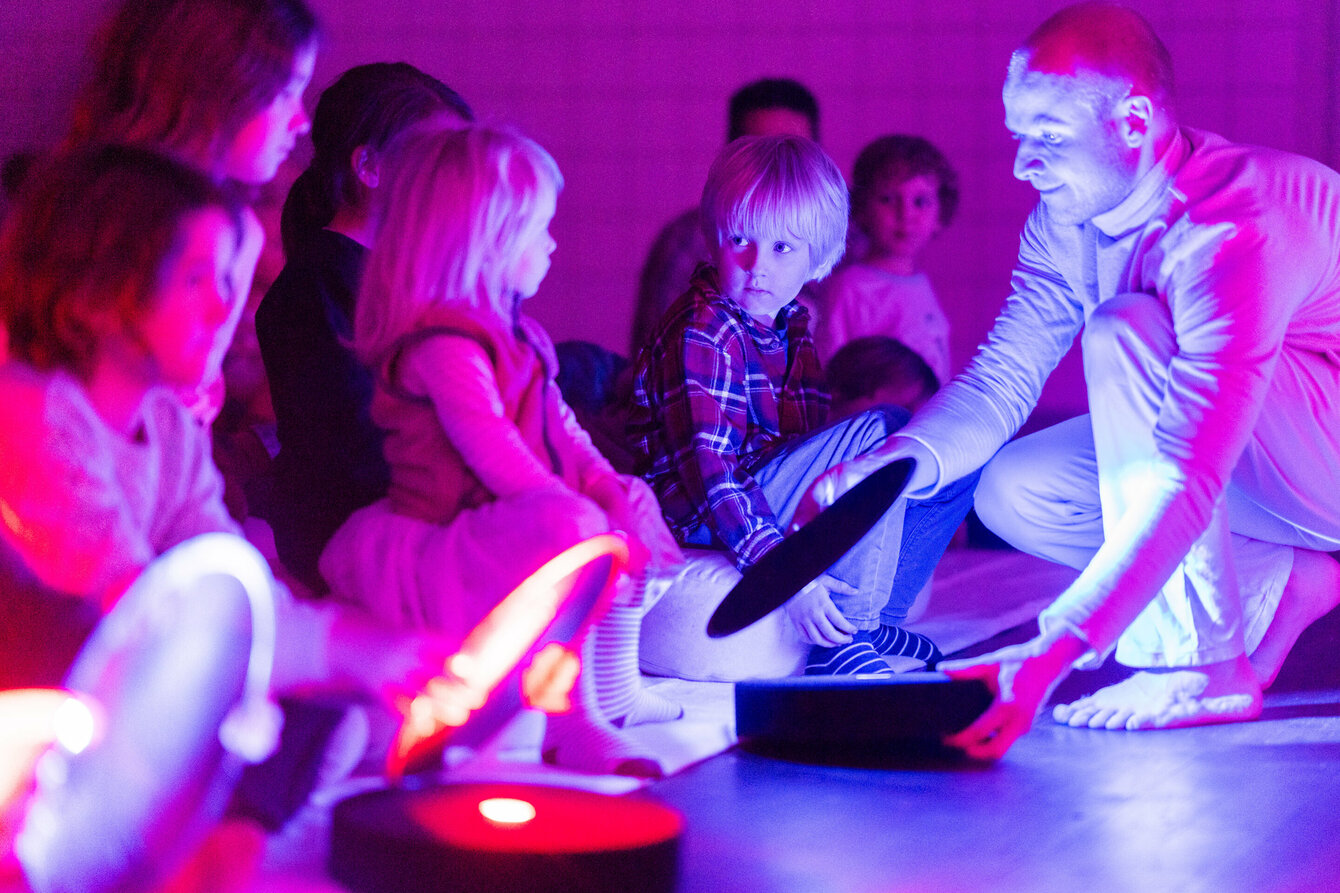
763 272
900 216
191 302
260 147
533 264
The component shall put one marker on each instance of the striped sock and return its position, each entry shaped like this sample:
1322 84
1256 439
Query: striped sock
614 667
582 739
894 641
857 656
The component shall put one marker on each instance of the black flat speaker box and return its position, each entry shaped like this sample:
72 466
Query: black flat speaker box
856 719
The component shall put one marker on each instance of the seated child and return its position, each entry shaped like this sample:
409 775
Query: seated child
729 408
330 460
903 193
491 476
114 282
875 370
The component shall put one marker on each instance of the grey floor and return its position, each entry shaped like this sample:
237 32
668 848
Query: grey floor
1244 807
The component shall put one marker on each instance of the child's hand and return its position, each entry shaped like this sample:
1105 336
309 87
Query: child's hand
817 619
632 508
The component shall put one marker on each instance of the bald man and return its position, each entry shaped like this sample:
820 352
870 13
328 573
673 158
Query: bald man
1202 491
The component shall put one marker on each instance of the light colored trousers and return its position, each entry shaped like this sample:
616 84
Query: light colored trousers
1049 493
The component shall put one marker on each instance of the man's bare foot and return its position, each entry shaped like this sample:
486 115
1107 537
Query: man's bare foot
1313 589
1169 699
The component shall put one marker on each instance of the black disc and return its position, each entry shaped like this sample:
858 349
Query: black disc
809 551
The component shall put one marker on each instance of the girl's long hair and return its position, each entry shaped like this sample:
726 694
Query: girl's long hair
184 76
457 209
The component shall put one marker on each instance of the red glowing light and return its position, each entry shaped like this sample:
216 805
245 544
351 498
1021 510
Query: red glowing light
565 820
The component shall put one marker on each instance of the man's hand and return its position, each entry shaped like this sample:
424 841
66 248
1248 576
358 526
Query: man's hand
817 619
1021 677
830 485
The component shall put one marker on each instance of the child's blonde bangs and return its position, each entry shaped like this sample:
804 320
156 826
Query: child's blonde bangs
778 185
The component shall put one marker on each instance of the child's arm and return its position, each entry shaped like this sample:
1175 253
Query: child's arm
62 506
705 411
456 374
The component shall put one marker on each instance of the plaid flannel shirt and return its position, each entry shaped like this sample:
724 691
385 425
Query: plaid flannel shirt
716 392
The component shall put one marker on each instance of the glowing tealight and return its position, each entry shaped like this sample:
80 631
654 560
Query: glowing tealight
75 725
506 811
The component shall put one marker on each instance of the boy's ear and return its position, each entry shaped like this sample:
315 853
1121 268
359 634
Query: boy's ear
821 271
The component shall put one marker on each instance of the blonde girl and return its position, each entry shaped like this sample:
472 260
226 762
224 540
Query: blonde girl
490 473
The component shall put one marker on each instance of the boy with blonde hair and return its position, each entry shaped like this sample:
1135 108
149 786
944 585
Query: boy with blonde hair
729 407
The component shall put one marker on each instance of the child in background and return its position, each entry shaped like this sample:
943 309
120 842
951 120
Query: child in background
330 460
729 408
903 193
876 369
216 84
491 475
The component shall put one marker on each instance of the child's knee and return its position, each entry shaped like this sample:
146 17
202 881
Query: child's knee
567 517
872 427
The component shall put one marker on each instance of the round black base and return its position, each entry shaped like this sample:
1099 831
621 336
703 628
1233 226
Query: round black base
435 839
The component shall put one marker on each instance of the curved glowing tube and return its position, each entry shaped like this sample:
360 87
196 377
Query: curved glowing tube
495 647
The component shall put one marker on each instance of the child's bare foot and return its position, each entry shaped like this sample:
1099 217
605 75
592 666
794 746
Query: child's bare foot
1313 589
1226 691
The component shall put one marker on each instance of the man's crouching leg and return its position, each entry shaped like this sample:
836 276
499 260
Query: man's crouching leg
1312 591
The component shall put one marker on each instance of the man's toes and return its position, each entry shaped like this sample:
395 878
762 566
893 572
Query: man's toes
1062 713
1066 713
1136 721
1080 715
1104 718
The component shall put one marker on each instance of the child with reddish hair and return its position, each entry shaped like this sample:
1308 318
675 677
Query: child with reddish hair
218 85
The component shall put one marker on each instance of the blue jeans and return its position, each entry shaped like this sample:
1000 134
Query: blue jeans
892 562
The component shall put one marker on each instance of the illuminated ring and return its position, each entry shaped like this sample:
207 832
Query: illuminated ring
174 663
480 687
